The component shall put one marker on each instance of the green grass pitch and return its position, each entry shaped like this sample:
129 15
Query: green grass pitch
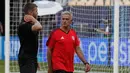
2 66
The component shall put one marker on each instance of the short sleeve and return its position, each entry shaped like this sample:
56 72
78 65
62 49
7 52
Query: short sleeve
77 41
51 40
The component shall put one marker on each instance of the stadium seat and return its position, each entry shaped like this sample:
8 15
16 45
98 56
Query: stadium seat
99 3
121 3
90 2
107 3
126 2
72 3
81 3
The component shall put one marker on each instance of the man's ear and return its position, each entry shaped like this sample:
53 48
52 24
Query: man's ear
30 12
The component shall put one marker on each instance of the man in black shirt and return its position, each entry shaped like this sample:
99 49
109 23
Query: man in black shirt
28 35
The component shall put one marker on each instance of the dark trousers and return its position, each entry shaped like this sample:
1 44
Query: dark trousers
61 71
27 65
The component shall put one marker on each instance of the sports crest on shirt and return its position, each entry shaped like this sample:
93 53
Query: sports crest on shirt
73 38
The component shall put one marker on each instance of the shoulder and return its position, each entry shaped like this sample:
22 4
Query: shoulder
25 24
72 30
55 31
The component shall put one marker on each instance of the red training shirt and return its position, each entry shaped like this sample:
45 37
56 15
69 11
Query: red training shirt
63 45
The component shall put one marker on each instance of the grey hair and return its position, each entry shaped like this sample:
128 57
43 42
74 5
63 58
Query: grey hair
67 12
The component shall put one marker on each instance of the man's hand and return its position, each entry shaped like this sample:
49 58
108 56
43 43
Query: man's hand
29 18
107 33
87 68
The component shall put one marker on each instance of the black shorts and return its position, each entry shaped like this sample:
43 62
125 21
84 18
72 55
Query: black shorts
61 71
27 65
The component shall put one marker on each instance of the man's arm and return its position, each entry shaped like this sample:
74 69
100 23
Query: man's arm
37 26
49 58
80 54
82 58
102 31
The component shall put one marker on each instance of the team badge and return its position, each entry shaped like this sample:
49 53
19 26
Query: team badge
73 38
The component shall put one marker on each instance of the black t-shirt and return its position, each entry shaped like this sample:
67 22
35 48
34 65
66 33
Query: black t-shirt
28 41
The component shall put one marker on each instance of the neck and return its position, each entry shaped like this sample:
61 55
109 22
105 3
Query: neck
65 29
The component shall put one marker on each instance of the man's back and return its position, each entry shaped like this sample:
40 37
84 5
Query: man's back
28 40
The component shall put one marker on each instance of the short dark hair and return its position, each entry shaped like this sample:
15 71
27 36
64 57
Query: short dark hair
28 7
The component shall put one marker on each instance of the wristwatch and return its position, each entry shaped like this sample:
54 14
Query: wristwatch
86 63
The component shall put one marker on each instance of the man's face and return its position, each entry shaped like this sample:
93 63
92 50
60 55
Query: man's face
34 12
66 20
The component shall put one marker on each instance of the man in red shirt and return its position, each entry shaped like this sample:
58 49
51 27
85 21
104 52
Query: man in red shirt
62 45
